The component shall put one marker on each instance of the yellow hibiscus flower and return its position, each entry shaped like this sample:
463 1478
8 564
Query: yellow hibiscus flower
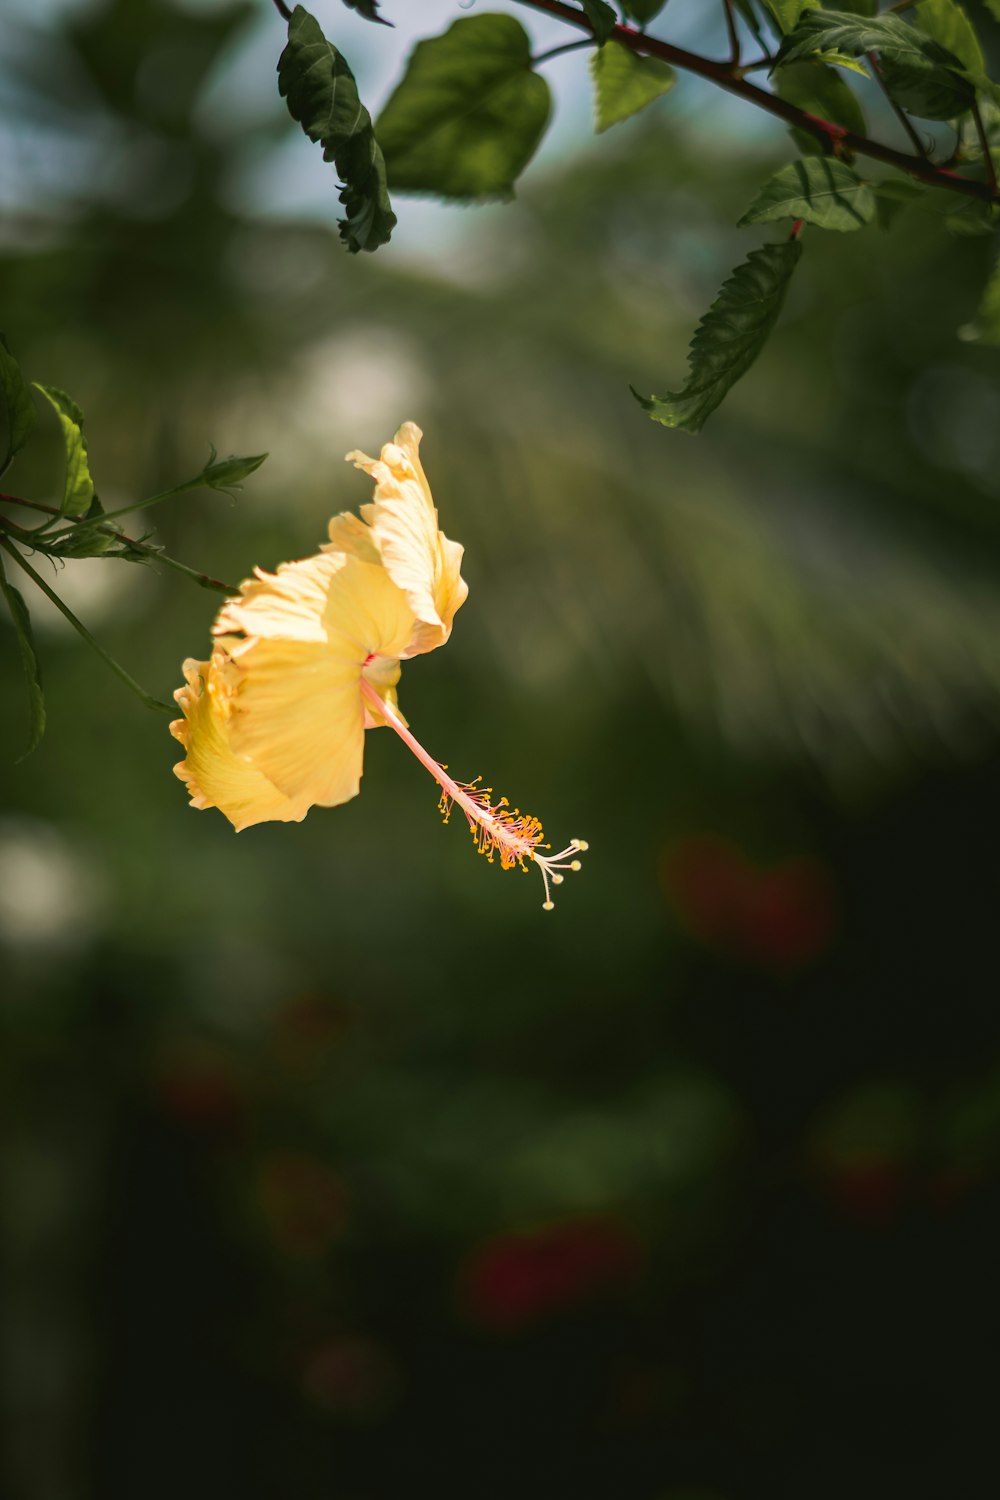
307 658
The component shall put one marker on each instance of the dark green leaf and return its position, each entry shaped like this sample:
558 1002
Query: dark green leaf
960 216
601 17
18 407
322 96
83 541
838 30
986 328
927 91
625 83
819 190
892 196
749 15
729 337
787 13
820 91
78 490
468 114
368 9
29 659
971 218
921 75
225 473
642 11
946 23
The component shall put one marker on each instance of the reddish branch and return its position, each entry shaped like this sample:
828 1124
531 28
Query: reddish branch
730 76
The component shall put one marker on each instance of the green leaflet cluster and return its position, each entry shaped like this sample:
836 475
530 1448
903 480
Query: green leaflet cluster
729 337
319 88
469 113
78 526
471 109
931 66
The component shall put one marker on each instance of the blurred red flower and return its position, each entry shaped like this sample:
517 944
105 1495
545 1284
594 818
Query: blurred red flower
513 1280
779 917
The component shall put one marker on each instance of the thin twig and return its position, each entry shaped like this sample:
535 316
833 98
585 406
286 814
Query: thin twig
899 112
80 627
283 10
558 51
834 138
734 36
204 580
984 141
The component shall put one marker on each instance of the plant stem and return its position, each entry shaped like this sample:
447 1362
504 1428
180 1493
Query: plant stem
734 36
558 51
127 510
984 141
900 114
834 138
78 625
283 10
204 580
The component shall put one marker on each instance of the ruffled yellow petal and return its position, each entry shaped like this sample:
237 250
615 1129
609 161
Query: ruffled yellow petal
403 525
297 716
297 711
214 774
289 603
350 534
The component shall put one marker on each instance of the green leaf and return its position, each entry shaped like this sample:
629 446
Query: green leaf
986 327
786 14
839 31
368 9
81 629
642 11
926 91
818 189
893 195
625 83
29 659
749 15
922 76
946 23
841 60
601 17
972 219
84 541
322 96
225 473
819 91
78 490
18 407
993 6
468 113
729 337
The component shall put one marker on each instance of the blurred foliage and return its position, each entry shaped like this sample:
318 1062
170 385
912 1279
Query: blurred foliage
331 1167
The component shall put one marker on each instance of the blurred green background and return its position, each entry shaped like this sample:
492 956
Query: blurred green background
332 1169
